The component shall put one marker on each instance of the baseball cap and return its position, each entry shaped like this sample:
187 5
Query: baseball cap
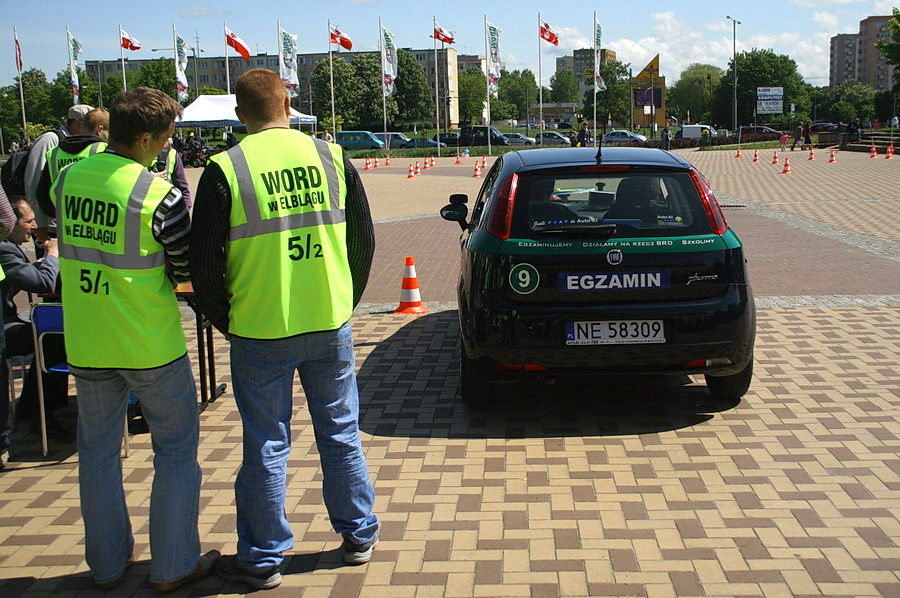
78 111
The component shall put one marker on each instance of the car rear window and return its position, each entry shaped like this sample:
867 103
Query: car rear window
639 204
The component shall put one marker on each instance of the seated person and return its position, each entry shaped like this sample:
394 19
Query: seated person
38 277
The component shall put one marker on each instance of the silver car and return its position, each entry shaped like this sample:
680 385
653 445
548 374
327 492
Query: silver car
519 139
552 138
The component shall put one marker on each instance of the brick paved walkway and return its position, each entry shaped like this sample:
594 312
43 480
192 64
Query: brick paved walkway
623 487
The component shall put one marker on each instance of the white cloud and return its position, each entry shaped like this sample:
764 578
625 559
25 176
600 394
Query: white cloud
820 3
826 21
195 11
883 7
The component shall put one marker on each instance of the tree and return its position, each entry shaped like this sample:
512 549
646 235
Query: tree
861 99
370 108
158 74
415 101
614 101
346 91
692 94
212 91
472 95
759 68
563 87
61 92
519 89
891 49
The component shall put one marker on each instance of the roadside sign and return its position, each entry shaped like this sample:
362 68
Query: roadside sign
769 100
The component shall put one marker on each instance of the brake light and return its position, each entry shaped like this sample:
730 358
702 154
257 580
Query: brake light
501 217
713 211
605 168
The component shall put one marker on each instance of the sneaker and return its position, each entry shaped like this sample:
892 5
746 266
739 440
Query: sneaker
228 567
358 554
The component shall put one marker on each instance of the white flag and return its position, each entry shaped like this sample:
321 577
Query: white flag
492 32
388 60
181 83
599 83
287 62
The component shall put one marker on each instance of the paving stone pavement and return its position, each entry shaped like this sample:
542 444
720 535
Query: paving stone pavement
617 487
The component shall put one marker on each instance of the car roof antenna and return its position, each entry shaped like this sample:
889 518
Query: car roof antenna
599 156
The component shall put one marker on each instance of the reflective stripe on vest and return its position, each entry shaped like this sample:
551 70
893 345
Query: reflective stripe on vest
132 258
57 158
256 226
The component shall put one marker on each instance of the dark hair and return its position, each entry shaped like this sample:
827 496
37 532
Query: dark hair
15 201
141 110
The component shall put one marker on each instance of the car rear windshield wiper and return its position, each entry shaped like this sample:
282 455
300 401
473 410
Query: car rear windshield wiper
577 229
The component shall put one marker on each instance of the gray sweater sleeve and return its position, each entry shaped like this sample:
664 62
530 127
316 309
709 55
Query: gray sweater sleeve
37 159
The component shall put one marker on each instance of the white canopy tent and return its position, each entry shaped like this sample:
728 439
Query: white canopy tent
218 111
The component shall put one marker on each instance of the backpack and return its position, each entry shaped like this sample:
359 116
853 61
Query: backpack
12 174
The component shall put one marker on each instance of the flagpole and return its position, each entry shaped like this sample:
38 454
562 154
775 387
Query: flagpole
122 60
227 68
331 79
175 57
19 68
387 141
487 81
540 84
437 78
596 70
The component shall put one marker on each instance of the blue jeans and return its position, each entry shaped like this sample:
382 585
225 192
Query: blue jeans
168 397
262 374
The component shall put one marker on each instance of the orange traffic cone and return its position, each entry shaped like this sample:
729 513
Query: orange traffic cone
432 161
484 161
832 159
890 152
738 154
376 162
418 170
787 166
756 155
411 174
410 299
873 152
812 156
775 157
387 161
477 174
426 166
458 161
368 164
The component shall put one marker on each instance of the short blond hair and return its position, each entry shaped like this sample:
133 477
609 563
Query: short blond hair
96 119
260 95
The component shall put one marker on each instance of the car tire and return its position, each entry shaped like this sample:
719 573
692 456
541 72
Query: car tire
472 386
730 388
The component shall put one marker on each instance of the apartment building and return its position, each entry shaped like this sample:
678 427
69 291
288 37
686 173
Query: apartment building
854 56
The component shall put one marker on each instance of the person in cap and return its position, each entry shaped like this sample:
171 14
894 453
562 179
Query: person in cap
283 242
37 160
123 241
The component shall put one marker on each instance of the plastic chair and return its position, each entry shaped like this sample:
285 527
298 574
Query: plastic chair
47 318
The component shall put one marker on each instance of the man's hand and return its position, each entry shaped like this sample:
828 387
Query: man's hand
50 247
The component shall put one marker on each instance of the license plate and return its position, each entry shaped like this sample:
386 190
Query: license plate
615 332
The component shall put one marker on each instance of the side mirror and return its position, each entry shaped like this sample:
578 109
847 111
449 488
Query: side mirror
456 212
459 198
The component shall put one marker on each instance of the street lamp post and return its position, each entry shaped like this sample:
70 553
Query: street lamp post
734 24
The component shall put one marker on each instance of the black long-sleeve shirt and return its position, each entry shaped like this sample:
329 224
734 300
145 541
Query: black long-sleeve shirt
211 217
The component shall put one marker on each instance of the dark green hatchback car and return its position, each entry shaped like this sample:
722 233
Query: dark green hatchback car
577 262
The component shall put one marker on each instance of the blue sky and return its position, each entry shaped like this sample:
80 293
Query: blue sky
681 31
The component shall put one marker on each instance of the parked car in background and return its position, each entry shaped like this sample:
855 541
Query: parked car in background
825 127
519 139
449 137
571 266
358 140
756 130
694 131
623 136
478 135
424 142
393 139
552 138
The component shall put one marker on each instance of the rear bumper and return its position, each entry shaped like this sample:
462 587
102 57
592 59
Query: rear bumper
499 334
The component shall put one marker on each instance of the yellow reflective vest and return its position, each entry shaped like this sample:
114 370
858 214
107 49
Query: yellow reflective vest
286 255
57 158
120 311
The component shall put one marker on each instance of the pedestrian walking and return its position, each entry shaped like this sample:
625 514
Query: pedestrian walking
290 316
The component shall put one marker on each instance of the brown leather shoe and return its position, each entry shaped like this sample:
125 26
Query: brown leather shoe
204 566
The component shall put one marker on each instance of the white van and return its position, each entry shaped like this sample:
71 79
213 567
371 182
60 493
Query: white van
695 131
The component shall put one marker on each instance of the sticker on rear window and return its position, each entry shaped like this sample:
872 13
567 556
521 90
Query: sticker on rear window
609 281
524 278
